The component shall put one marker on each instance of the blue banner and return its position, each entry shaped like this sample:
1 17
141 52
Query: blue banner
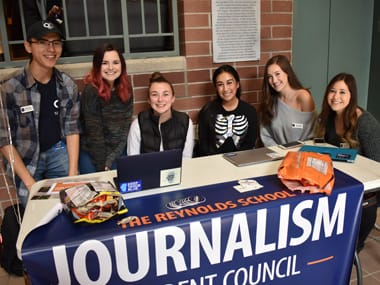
211 235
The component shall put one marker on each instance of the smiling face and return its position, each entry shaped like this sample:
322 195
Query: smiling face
339 96
226 87
45 51
111 67
277 78
161 98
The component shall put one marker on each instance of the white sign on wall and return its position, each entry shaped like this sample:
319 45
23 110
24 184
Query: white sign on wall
235 30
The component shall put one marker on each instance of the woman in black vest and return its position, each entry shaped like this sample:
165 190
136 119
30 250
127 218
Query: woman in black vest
161 127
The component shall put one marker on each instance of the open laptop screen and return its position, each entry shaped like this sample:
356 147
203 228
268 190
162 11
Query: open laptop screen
149 170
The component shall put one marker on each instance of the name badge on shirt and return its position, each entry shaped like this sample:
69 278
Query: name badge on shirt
26 109
344 145
297 126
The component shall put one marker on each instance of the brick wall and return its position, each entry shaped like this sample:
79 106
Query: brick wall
193 86
192 83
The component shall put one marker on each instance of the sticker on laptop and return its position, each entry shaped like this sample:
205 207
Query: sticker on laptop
131 186
170 176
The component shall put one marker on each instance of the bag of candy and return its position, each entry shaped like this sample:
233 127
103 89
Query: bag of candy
93 202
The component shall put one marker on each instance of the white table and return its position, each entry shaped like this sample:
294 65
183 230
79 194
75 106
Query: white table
195 172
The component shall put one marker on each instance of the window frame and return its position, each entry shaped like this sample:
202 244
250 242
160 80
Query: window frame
5 44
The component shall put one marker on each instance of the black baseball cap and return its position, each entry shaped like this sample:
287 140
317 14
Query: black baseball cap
39 29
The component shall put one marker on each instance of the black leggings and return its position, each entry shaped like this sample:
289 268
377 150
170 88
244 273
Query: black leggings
368 218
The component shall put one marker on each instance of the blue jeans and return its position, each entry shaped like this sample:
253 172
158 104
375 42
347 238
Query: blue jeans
52 163
86 165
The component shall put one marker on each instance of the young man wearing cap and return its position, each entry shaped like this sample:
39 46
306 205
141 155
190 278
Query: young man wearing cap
39 123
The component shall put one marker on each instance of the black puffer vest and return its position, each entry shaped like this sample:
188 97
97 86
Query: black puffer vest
173 131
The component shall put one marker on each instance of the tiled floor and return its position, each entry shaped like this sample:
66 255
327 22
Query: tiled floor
369 258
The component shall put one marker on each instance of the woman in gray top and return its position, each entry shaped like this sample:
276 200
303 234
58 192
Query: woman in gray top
344 124
287 110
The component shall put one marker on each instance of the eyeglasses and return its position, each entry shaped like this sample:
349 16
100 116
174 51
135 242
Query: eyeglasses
47 43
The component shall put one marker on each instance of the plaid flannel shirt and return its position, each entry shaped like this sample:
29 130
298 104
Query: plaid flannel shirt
20 109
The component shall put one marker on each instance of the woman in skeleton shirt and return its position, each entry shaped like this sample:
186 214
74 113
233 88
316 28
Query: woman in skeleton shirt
227 123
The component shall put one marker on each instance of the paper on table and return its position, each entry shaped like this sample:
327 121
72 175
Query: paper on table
51 214
38 213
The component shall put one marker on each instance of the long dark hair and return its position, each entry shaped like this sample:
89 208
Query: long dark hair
269 95
94 77
350 117
229 69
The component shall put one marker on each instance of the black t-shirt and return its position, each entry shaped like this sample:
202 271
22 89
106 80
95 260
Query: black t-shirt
222 131
49 127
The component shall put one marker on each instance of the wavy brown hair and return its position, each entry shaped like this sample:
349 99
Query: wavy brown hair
350 117
269 95
94 77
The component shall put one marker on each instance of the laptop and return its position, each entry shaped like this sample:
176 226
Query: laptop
252 156
149 170
336 153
